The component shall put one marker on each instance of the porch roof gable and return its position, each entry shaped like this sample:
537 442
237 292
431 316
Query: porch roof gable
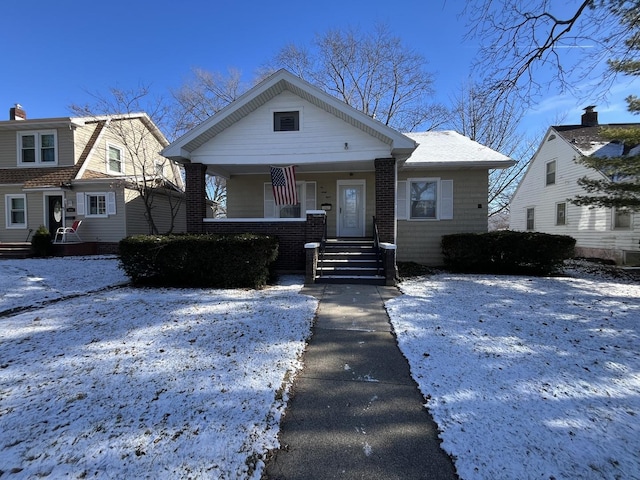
181 149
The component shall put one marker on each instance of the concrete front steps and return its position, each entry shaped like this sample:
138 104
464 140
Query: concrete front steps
353 261
15 250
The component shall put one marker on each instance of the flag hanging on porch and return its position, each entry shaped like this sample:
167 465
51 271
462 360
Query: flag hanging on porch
283 181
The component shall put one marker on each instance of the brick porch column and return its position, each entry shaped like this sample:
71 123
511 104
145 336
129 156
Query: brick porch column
386 198
195 201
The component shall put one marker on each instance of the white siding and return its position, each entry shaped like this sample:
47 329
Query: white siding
591 227
321 137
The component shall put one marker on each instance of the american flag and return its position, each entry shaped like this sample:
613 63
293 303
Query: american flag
283 180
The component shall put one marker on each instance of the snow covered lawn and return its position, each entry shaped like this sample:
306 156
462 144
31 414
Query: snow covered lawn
527 377
141 383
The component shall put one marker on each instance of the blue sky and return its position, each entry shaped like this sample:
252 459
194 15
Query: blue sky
54 52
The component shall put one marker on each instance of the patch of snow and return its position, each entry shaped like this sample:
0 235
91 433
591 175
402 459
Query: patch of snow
133 383
546 369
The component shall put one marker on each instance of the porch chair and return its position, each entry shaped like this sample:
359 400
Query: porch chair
66 232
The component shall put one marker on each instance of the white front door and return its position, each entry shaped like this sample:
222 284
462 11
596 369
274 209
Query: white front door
351 203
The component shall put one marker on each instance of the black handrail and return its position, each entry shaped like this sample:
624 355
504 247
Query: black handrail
376 245
323 242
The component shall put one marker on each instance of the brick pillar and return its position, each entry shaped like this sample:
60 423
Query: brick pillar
316 221
386 199
196 195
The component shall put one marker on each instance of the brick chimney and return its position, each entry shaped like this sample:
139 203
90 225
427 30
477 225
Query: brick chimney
17 113
590 117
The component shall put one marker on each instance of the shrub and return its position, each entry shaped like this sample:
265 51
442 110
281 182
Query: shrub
507 252
223 261
41 242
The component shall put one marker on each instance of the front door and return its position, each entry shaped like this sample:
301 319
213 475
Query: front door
351 219
54 213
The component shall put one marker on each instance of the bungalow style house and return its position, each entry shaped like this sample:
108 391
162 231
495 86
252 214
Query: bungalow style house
541 200
354 179
55 171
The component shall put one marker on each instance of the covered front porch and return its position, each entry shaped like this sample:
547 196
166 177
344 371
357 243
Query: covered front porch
357 203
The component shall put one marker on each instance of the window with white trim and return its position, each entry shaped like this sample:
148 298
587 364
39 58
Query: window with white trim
115 157
16 211
551 173
37 148
621 219
96 204
530 218
561 213
306 201
424 199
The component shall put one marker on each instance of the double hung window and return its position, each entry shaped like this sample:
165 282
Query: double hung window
551 173
37 148
96 204
561 213
530 218
16 211
114 159
424 199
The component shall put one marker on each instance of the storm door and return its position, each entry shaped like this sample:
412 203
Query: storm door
351 209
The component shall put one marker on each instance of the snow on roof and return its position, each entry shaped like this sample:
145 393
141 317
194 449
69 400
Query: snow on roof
449 147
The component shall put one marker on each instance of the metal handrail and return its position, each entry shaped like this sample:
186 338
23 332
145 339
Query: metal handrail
323 243
376 245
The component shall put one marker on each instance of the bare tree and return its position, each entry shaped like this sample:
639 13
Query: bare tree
203 95
132 117
373 72
492 120
567 41
216 188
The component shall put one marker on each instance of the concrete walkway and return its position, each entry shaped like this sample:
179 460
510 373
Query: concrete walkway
355 411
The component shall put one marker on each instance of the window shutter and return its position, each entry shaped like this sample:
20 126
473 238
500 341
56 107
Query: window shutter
446 200
269 202
111 203
79 203
401 201
310 198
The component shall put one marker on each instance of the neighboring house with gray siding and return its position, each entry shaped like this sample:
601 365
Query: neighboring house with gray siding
541 200
54 171
350 169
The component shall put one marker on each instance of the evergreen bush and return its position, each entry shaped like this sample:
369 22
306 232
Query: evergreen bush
221 261
507 252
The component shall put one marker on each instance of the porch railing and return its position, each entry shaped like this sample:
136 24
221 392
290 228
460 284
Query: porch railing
323 243
376 246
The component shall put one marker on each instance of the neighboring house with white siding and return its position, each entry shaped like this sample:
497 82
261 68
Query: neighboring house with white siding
354 175
541 200
54 171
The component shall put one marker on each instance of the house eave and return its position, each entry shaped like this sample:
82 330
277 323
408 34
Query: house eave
470 165
266 91
40 123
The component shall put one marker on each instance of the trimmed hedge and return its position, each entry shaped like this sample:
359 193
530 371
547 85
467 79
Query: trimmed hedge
507 252
220 261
